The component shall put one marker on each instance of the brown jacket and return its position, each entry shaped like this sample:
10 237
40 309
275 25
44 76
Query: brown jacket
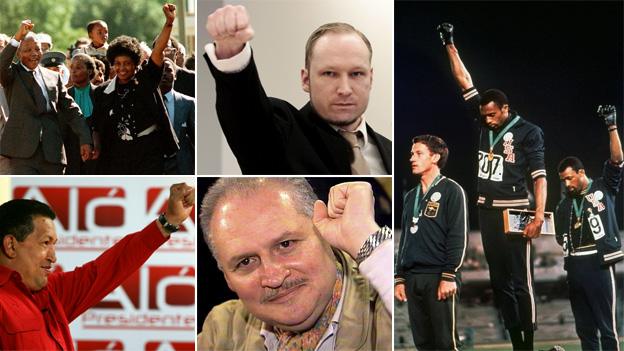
364 322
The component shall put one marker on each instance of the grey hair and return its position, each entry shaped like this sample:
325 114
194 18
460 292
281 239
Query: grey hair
31 36
301 191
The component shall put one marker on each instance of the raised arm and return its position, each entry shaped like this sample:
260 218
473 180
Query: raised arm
7 55
163 38
231 29
461 74
608 113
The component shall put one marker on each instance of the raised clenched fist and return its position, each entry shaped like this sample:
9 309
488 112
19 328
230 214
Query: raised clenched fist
446 33
230 28
607 112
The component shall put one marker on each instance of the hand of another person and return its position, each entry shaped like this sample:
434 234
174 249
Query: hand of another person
85 152
608 114
446 289
25 27
446 33
349 217
399 292
170 12
230 27
180 204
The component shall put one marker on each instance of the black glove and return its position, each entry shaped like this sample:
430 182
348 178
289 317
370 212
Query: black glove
446 33
607 112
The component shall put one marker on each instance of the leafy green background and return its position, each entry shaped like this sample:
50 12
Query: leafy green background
66 20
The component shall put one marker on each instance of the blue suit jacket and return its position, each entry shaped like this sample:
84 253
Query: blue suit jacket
184 126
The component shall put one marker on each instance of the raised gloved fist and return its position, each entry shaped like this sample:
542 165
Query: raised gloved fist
446 33
607 112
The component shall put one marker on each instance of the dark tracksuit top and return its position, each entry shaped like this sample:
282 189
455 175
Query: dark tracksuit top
501 181
599 229
518 150
439 245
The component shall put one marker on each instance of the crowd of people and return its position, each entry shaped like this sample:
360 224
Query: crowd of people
124 107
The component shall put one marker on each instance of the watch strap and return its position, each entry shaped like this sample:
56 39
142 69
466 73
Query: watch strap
168 226
374 240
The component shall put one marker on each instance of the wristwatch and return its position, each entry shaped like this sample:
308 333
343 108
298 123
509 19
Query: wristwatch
373 241
170 228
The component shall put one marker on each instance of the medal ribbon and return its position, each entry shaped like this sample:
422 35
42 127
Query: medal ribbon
494 141
417 198
578 209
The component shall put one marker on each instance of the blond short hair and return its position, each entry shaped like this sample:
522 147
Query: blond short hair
334 27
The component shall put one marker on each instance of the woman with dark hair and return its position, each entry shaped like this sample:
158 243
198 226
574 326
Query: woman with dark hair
131 129
82 71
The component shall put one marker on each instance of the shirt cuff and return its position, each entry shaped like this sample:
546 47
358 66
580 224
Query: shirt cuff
14 42
448 276
470 93
233 64
375 269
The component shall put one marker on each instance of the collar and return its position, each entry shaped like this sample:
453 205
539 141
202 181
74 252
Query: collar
361 128
101 48
7 273
111 86
169 95
510 117
28 69
85 88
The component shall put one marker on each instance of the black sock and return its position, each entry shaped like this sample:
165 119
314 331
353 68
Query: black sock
517 341
528 340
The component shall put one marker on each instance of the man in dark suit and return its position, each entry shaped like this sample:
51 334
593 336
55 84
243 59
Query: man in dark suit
181 111
270 136
39 105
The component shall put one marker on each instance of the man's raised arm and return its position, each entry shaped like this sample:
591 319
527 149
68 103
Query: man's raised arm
347 222
461 74
608 113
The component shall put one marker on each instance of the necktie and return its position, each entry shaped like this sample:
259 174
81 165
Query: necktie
37 93
359 165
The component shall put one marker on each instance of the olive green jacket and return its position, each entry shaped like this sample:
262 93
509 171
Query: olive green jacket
364 322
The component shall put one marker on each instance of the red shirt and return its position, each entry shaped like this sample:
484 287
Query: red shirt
40 320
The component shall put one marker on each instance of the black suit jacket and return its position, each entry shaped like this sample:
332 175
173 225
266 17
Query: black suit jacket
150 94
271 136
184 82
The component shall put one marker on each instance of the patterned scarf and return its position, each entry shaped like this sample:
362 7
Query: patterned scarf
309 339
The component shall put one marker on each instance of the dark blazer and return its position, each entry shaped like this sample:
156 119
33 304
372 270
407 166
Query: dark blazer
271 136
184 126
185 81
26 127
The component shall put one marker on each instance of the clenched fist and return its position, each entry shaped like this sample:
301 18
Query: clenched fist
170 12
446 33
348 219
25 27
230 28
608 114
